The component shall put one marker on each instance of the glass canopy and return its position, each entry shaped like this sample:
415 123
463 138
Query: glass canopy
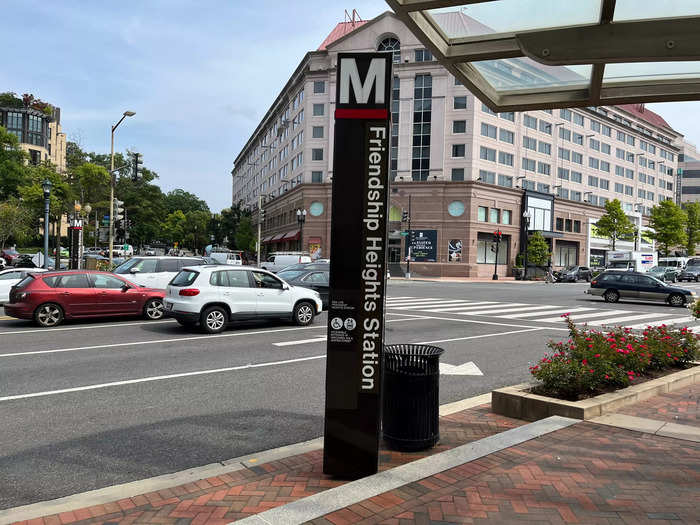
529 54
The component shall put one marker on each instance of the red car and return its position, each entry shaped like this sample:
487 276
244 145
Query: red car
51 297
9 255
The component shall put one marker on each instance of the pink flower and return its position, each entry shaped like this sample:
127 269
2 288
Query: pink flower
597 355
567 314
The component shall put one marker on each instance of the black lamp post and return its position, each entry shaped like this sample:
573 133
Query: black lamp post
46 186
301 219
526 221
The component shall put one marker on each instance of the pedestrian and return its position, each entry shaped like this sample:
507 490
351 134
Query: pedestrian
550 275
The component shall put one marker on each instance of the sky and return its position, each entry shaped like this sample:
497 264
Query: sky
199 75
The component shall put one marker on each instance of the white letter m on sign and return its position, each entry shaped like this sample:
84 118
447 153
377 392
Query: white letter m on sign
349 73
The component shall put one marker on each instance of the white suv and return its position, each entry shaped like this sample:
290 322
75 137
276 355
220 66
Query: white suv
213 295
155 272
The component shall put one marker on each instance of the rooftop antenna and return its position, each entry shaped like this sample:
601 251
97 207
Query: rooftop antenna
353 18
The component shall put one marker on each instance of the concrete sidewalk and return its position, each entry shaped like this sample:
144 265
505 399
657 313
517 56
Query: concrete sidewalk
486 469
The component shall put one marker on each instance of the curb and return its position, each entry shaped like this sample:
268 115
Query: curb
135 488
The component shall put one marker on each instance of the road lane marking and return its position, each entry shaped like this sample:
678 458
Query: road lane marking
479 336
431 304
301 341
158 378
498 306
668 322
454 308
62 329
492 323
159 341
553 311
618 320
408 302
498 310
577 318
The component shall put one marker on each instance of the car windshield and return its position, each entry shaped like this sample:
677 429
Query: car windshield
288 275
11 252
143 265
656 269
571 268
24 282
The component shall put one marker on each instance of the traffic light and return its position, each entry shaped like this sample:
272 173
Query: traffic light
136 166
404 216
118 210
262 214
497 236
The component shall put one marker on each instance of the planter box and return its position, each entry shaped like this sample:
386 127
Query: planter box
517 401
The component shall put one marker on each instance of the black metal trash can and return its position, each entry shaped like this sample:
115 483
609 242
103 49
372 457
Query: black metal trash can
410 415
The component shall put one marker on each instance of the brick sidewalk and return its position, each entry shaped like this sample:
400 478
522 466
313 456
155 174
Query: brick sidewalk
681 406
585 473
241 493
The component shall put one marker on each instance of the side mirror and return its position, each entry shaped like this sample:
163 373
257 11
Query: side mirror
134 270
125 287
285 286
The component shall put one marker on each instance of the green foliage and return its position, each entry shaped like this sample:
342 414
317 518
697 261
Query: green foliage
32 193
614 224
10 100
591 362
692 227
92 184
537 250
173 228
15 222
245 236
668 222
519 260
196 229
185 201
13 169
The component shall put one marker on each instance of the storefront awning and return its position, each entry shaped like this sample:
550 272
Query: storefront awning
267 239
277 238
517 55
291 236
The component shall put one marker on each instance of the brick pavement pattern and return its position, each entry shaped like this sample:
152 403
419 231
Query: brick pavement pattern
585 473
681 406
238 494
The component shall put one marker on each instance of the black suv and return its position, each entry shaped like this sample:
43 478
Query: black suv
613 285
573 274
690 273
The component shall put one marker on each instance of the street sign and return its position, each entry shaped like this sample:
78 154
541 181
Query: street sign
358 243
404 234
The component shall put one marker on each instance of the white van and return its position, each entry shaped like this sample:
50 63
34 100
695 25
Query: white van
277 261
155 272
231 258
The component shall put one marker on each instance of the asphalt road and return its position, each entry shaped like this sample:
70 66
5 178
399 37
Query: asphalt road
92 404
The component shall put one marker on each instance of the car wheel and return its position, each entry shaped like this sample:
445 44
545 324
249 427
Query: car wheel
611 296
213 320
48 315
304 313
154 309
676 299
697 279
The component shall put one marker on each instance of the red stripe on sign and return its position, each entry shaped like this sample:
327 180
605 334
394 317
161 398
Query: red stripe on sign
368 114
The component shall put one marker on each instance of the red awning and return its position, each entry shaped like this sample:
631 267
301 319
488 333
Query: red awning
267 239
277 238
291 236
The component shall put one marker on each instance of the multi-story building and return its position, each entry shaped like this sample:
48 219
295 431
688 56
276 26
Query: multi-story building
38 133
467 169
689 172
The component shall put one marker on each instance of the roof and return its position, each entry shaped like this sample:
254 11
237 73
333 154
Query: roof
639 111
339 31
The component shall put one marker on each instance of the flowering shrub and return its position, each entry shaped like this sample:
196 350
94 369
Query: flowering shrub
593 361
695 309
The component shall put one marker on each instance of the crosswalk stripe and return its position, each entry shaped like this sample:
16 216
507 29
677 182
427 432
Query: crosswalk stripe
399 298
455 308
430 305
676 320
406 302
498 310
471 308
618 320
586 316
555 309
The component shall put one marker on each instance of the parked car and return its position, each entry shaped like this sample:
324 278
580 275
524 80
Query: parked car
572 274
10 277
278 261
155 272
232 258
64 252
690 272
211 296
663 273
312 278
9 255
308 266
51 297
613 285
3 264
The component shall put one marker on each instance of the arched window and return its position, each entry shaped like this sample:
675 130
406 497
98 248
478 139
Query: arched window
391 44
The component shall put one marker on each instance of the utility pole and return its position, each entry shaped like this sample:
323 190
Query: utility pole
112 183
410 241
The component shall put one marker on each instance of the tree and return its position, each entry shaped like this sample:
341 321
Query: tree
92 184
228 225
537 250
184 200
692 228
15 222
173 228
13 170
615 223
668 222
245 236
195 229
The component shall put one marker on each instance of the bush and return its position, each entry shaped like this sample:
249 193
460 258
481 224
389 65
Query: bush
591 361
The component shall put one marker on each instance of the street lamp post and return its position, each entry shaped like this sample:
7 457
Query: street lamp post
112 182
46 186
526 218
301 219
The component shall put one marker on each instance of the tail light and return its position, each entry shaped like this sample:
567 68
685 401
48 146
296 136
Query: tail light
189 292
594 282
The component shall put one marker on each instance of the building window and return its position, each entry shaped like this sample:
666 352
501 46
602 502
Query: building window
460 103
604 184
575 195
577 226
562 193
319 86
565 134
506 136
530 122
494 215
530 143
506 181
544 147
578 119
505 158
606 130
14 124
486 154
484 253
528 185
422 115
460 126
543 168
566 255
576 176
487 176
481 214
564 154
318 110
316 176
394 157
35 156
542 188
506 216
577 139
619 188
423 55
508 115
393 45
458 150
605 148
565 114
576 157
593 181
487 130
528 164
563 173
560 224
487 109
595 125
545 127
317 154
317 132
457 174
